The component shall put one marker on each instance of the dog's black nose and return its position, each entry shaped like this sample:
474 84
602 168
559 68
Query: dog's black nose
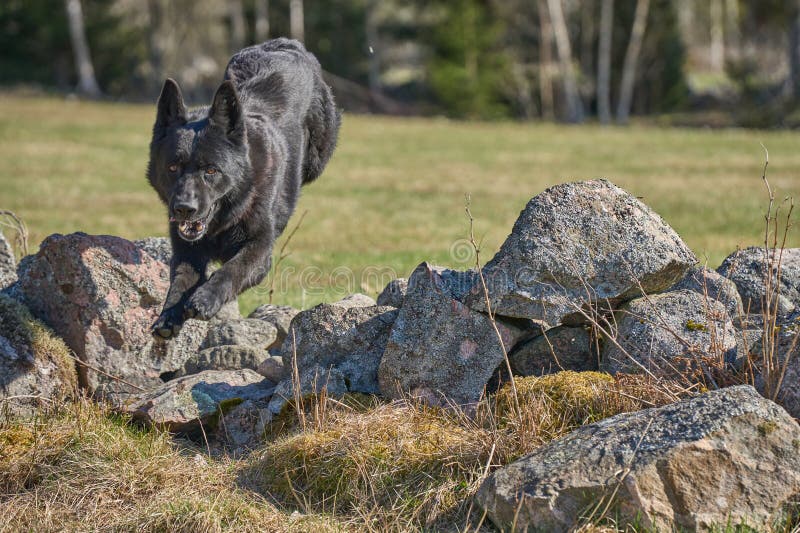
184 211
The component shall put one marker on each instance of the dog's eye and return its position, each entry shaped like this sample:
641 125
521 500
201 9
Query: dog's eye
173 168
210 171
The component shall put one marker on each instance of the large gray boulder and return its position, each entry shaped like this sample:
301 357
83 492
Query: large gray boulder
439 349
727 457
280 316
8 264
667 333
713 286
356 300
183 404
346 336
578 244
272 368
35 366
159 248
748 269
394 293
557 349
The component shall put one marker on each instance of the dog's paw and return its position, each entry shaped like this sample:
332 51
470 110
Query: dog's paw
169 323
203 305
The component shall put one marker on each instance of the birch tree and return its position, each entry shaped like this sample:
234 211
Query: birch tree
373 45
604 62
631 60
236 13
545 61
87 83
564 49
717 48
262 20
296 23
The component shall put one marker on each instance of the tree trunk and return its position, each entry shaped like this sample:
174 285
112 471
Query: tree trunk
564 49
732 31
604 62
794 52
87 84
156 43
588 15
238 31
631 59
523 89
373 45
262 20
296 24
545 61
717 48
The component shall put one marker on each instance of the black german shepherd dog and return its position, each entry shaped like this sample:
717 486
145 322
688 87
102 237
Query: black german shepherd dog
230 174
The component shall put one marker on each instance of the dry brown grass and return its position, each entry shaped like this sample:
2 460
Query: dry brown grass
356 464
553 405
80 468
395 466
405 467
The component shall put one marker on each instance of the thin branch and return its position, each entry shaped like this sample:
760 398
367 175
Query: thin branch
9 219
106 374
488 302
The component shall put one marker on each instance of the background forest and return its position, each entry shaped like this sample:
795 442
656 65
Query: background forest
687 62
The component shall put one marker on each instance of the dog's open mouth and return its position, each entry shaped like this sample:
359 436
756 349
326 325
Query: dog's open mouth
191 230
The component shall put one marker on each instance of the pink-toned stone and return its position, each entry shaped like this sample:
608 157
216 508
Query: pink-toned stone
101 294
440 350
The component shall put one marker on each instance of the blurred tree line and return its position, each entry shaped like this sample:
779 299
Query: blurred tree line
566 60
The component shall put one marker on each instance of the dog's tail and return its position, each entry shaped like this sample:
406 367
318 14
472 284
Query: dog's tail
322 127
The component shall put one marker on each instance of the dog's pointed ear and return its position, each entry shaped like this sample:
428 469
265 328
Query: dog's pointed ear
226 111
171 109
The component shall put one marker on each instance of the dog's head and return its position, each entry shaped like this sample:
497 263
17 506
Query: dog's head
197 158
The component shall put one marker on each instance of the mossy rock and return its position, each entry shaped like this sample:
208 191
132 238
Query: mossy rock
36 365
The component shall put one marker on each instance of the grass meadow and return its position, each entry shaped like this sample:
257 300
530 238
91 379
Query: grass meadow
393 195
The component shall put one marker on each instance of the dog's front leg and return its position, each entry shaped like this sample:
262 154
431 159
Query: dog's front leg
187 272
244 270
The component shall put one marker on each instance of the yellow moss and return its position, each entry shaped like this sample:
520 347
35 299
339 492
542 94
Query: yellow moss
15 441
765 428
46 345
22 329
566 391
553 405
693 325
406 458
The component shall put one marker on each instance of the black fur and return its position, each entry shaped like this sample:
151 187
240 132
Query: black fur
230 174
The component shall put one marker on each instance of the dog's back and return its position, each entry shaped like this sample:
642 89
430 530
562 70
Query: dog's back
281 79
